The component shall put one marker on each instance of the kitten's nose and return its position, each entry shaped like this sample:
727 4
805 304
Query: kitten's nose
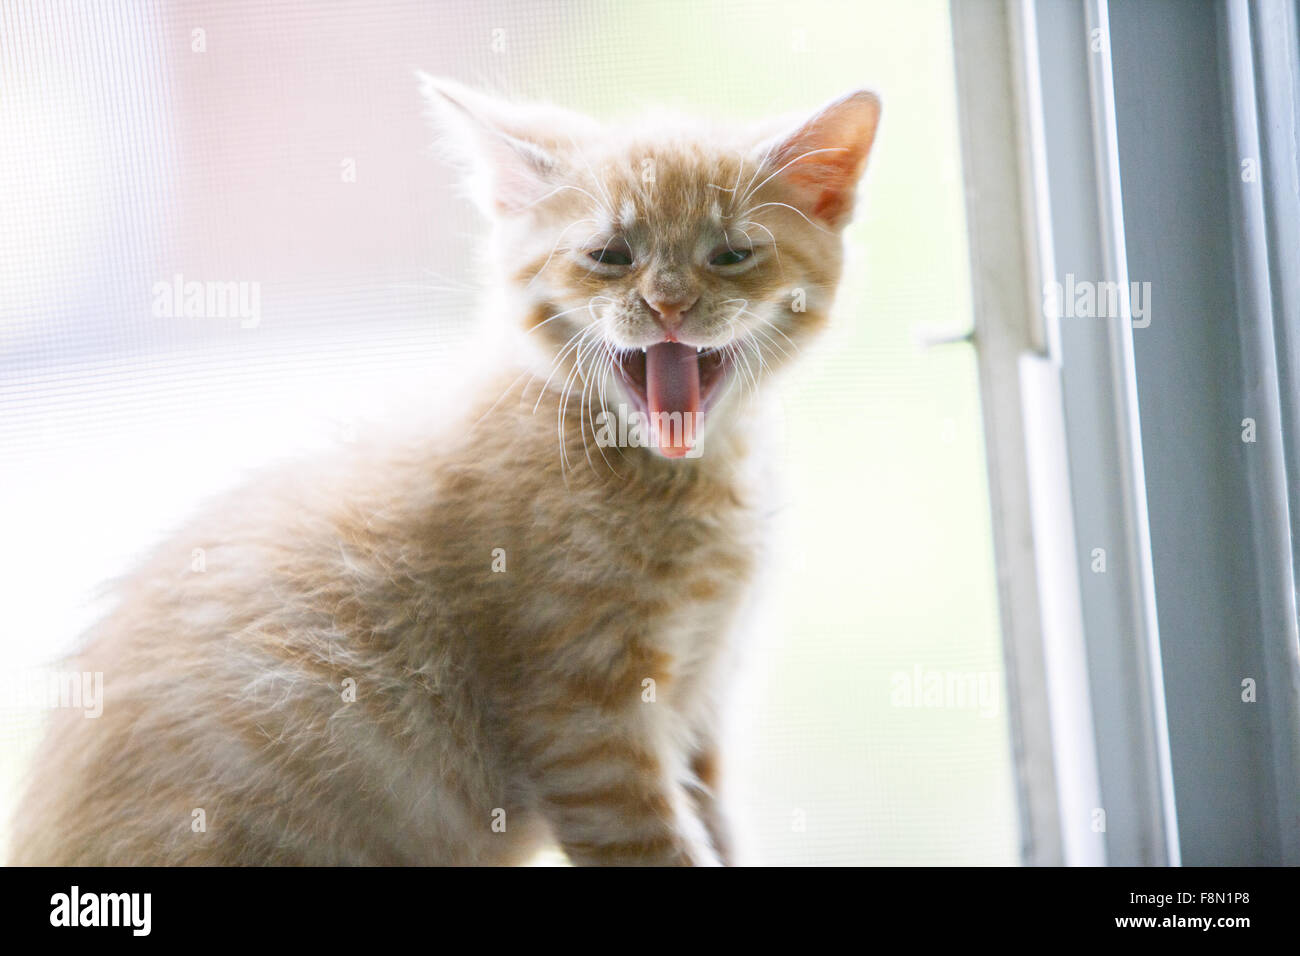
668 312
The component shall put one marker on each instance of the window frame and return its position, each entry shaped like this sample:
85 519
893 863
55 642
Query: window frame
1085 126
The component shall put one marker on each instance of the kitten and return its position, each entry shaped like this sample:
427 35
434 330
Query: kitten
454 646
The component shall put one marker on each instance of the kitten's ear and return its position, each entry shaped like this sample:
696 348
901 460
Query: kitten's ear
512 154
821 162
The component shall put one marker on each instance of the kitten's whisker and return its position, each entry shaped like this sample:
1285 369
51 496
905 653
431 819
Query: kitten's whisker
610 358
558 361
758 354
732 348
581 375
777 329
592 268
758 330
811 152
749 371
762 367
753 378
508 389
555 246
588 382
762 320
576 308
734 381
552 318
754 209
740 168
590 388
564 397
762 164
776 246
609 372
593 390
608 207
561 188
582 418
743 308
560 356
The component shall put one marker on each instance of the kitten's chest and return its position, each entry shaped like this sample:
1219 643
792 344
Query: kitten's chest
675 571
693 547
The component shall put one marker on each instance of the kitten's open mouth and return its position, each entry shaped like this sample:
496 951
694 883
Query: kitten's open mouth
669 378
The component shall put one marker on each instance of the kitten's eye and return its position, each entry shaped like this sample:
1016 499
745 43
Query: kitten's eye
611 257
731 257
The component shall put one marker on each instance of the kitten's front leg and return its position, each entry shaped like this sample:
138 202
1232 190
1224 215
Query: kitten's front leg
612 800
704 793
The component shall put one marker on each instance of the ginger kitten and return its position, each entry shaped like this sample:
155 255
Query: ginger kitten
451 646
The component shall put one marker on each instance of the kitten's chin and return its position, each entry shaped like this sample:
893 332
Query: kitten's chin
674 386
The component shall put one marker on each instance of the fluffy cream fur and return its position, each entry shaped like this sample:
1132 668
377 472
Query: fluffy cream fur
459 642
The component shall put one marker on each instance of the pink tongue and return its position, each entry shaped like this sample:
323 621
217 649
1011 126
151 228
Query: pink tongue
672 384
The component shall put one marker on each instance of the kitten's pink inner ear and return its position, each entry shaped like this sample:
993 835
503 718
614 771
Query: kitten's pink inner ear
823 160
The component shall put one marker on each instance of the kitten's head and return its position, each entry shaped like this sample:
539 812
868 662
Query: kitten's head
670 264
